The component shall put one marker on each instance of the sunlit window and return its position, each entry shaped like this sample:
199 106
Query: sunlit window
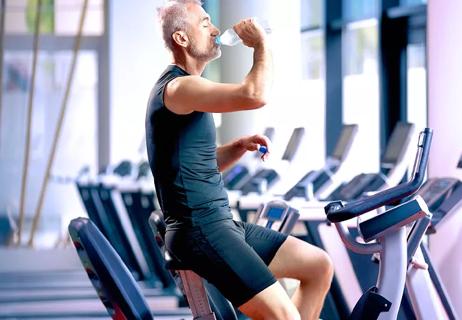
60 17
312 15
67 15
416 85
78 139
76 148
354 10
20 16
313 55
313 87
361 91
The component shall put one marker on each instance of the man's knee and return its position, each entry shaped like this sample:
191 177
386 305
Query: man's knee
289 312
271 303
327 268
285 312
295 315
321 268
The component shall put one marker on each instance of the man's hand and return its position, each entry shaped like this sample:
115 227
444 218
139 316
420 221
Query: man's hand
252 143
251 32
229 153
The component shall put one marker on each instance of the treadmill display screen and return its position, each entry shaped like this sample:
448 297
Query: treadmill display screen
275 213
294 143
397 142
344 142
269 133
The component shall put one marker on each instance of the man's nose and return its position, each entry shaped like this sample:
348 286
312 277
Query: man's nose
215 31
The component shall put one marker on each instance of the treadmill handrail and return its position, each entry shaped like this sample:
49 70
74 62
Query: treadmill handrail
337 212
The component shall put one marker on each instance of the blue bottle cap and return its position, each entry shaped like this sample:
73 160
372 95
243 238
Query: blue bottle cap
263 149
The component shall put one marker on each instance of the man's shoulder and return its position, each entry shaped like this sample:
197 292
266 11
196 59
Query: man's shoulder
173 71
170 73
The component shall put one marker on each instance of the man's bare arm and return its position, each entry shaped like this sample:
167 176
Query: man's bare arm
228 154
184 95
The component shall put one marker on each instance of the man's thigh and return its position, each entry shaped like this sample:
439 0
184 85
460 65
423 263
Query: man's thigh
298 259
219 253
264 241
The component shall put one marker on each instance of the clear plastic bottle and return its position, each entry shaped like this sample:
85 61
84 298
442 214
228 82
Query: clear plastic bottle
230 38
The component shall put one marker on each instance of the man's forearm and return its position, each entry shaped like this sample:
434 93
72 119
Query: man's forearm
229 154
259 79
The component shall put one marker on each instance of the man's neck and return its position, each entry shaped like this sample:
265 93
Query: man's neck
190 65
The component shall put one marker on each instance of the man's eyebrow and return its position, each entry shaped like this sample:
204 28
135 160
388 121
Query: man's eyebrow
206 18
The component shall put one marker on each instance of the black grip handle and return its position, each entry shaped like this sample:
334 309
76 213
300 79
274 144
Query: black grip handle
337 212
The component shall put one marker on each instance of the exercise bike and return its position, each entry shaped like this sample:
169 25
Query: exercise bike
394 236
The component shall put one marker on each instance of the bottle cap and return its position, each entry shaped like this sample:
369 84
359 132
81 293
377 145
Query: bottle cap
263 149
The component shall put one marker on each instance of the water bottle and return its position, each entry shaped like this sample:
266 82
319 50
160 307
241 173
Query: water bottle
262 150
230 38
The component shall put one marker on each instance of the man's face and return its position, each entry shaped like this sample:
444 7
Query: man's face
202 34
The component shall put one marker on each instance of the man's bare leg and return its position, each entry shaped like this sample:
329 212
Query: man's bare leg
299 260
272 303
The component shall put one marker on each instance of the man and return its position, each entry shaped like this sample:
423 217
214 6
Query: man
241 260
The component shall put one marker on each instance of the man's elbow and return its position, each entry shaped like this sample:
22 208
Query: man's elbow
256 103
255 100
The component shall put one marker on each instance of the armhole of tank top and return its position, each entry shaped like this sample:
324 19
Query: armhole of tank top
163 100
162 96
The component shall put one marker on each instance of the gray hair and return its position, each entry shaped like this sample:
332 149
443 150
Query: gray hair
172 17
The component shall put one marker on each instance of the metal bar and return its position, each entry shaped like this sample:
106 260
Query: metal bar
103 109
333 74
439 286
2 48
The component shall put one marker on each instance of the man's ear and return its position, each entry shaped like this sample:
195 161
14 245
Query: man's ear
181 38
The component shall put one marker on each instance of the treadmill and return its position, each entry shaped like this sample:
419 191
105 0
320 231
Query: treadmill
140 203
265 178
393 167
315 183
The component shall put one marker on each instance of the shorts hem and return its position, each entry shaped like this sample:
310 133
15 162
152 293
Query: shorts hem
246 298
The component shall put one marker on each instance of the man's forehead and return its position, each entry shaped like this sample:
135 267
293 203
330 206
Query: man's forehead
198 11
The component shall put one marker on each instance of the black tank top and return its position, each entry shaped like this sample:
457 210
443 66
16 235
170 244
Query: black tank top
182 156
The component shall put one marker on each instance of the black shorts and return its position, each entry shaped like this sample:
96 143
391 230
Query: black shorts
231 255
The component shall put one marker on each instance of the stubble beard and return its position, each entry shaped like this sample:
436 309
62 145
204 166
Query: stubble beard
205 56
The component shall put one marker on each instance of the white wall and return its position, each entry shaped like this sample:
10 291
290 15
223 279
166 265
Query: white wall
445 117
137 57
284 20
444 85
291 102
